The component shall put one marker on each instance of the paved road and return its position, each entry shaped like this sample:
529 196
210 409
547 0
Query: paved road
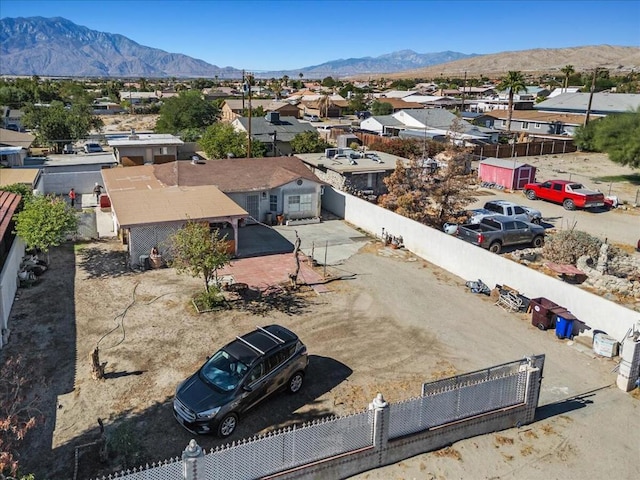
616 225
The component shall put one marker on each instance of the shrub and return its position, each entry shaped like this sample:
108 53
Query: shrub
209 300
568 245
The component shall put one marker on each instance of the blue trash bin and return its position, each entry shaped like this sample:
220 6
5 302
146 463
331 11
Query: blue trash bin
564 325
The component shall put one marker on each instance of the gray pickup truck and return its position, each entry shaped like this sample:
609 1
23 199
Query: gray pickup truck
499 231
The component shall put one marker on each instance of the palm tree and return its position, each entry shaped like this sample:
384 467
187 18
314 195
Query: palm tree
568 70
323 104
514 82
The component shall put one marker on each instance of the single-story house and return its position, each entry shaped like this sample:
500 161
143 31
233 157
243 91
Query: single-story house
135 98
11 119
12 156
535 122
602 103
274 131
432 101
509 173
144 148
234 108
398 104
11 138
149 202
354 172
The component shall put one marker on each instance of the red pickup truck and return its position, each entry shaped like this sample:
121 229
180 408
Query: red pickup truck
570 194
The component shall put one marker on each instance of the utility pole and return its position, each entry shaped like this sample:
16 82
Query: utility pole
464 88
593 87
249 82
243 85
275 138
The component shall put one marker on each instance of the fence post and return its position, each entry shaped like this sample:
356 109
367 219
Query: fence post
380 409
192 461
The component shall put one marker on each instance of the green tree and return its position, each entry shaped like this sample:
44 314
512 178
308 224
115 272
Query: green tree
617 135
357 102
221 140
56 125
198 251
381 108
328 82
308 142
188 110
22 190
45 222
513 83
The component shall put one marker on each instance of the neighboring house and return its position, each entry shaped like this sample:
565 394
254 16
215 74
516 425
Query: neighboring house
559 91
535 122
215 93
432 101
485 91
136 98
11 138
395 94
398 104
145 148
150 202
602 103
14 147
353 172
106 108
11 119
11 253
234 108
430 122
274 131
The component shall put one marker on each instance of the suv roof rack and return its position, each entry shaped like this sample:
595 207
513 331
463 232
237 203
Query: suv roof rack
275 337
250 345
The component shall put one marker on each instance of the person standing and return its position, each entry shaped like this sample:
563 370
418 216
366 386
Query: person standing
97 189
72 197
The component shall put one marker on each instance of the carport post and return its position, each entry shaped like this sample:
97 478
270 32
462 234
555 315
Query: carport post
192 461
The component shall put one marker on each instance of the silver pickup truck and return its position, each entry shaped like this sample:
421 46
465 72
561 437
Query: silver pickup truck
508 209
499 231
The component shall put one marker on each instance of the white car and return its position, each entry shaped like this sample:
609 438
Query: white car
507 209
92 148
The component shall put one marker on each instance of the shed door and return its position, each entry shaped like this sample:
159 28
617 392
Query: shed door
523 176
252 206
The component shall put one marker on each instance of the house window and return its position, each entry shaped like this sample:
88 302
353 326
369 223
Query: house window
370 178
273 203
525 125
504 123
300 203
537 125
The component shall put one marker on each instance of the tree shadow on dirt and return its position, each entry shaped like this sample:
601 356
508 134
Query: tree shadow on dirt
99 263
155 436
274 298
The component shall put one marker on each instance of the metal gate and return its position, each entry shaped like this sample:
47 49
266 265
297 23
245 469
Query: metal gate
252 205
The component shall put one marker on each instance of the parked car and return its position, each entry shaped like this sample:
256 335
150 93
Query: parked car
239 376
311 118
499 231
570 195
92 148
508 209
68 149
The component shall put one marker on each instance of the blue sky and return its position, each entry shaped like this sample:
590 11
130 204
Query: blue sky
282 34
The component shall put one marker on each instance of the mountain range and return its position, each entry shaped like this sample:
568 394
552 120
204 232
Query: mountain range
58 47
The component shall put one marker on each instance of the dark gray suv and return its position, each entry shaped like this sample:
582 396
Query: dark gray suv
239 376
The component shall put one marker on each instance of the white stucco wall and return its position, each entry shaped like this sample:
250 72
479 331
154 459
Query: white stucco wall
9 282
471 263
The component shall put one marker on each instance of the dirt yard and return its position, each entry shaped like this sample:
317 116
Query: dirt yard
126 122
400 321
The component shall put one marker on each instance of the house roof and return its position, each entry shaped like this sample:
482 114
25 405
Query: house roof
602 102
503 163
400 103
431 117
395 94
371 163
536 116
385 120
235 174
16 139
422 99
171 204
235 104
8 204
140 139
286 128
10 176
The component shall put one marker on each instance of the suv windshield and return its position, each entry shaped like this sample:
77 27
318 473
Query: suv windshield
223 371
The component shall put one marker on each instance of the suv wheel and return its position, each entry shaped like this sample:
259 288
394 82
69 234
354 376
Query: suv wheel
295 382
227 425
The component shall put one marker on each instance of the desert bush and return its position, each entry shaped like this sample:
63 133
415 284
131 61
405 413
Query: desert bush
568 245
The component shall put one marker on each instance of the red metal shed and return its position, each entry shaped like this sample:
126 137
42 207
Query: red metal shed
507 172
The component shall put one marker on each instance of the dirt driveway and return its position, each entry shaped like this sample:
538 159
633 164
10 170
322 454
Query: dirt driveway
398 322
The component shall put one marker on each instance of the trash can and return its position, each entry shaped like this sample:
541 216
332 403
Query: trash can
564 324
542 312
143 262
